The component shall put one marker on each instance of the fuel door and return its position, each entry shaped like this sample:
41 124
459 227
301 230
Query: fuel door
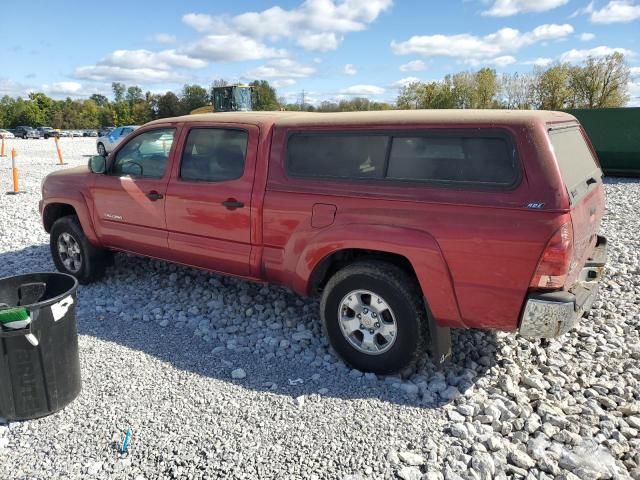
322 215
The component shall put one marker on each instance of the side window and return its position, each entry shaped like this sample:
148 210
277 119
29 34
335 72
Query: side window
337 155
126 131
145 155
453 159
115 133
214 154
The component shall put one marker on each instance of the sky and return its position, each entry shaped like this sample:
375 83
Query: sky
330 49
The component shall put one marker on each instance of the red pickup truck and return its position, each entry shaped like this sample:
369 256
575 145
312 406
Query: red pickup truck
408 223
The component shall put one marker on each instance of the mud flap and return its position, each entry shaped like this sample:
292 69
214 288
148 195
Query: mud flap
440 338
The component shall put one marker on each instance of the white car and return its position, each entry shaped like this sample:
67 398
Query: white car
107 143
6 134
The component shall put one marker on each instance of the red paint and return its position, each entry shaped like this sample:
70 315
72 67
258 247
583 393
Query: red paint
474 252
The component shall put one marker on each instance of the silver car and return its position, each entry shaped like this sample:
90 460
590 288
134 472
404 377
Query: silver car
106 144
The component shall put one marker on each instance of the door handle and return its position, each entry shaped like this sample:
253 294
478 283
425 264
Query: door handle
232 204
153 195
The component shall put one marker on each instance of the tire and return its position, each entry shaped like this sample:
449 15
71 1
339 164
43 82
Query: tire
101 150
399 293
91 262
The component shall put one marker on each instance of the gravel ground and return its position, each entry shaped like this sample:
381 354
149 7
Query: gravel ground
220 378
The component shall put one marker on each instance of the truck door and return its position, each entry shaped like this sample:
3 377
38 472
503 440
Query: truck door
208 204
129 200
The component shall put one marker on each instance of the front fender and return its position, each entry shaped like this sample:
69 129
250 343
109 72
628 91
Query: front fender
419 247
79 204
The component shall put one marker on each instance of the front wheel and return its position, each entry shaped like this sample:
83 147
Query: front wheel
374 318
73 254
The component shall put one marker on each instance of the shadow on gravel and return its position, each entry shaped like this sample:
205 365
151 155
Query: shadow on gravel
618 180
474 351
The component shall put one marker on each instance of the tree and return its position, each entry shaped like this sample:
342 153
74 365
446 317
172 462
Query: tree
552 87
134 94
263 96
99 100
220 82
169 105
194 96
601 82
486 88
118 91
516 91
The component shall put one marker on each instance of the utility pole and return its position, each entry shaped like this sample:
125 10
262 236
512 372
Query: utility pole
302 101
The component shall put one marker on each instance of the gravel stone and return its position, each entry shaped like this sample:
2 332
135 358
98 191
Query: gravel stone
411 458
238 373
409 473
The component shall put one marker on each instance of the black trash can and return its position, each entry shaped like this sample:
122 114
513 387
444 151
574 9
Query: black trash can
39 362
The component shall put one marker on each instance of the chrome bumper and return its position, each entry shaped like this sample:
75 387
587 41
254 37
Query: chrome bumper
552 314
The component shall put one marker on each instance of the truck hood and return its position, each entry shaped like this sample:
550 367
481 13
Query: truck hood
63 182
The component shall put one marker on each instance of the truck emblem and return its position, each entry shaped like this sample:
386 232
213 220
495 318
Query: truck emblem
535 205
112 216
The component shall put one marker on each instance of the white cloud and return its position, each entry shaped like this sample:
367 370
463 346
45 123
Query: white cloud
164 38
281 68
506 8
616 11
284 82
349 69
576 56
362 90
13 89
585 37
474 48
413 66
230 48
539 62
164 60
321 42
106 73
63 88
313 25
503 61
635 71
403 82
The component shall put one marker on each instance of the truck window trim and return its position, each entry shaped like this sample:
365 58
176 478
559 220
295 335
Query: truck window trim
179 177
501 133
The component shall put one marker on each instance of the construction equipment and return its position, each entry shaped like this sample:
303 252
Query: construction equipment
231 98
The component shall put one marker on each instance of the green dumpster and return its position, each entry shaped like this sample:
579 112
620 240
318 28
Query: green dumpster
615 134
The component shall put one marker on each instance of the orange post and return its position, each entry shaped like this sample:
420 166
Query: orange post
14 171
60 159
2 148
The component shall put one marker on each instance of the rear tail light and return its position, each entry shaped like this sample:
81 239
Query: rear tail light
555 262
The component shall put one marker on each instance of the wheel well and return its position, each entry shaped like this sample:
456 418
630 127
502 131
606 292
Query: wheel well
329 265
54 211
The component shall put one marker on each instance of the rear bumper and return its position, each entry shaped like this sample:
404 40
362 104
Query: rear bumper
551 314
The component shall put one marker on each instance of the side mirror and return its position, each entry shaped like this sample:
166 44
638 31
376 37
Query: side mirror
98 164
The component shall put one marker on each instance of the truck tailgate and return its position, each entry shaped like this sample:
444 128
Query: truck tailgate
583 179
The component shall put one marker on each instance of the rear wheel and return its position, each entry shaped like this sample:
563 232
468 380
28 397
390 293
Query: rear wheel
101 150
374 317
73 254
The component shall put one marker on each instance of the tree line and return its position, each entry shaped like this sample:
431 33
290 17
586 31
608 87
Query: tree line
596 83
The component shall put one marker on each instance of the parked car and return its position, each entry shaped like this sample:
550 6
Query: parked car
26 132
47 132
104 131
6 134
76 133
107 143
65 133
403 222
90 133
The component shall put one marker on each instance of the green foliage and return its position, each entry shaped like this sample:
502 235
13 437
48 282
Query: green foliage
194 96
263 96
